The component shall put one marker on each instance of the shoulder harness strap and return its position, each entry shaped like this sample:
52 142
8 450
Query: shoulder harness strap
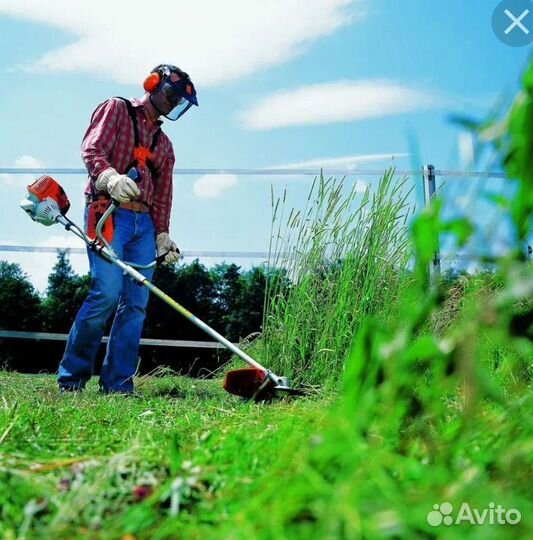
141 154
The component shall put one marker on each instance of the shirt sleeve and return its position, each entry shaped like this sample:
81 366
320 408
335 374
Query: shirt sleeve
162 201
100 137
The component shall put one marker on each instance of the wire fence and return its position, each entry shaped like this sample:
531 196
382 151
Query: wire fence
274 172
428 174
432 181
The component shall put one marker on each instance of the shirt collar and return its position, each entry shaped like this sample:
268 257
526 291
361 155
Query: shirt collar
137 103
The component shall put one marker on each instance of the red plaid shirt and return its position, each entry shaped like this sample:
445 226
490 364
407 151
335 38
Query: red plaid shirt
109 142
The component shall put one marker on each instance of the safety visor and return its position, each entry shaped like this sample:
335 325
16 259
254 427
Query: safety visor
181 94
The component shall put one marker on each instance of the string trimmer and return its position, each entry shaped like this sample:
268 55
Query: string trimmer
47 203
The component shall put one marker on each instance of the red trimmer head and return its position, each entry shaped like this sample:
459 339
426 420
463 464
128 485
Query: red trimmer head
254 383
248 383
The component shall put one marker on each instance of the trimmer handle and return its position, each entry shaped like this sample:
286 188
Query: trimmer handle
134 175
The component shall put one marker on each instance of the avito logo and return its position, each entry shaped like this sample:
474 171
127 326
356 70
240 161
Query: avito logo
442 514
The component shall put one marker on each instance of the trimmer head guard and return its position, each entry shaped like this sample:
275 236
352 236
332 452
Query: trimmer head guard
256 384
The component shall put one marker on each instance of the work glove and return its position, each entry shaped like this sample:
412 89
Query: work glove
119 186
167 248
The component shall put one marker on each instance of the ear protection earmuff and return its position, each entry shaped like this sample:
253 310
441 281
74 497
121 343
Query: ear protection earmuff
152 82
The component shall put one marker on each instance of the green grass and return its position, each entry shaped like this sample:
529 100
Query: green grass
429 412
425 418
72 466
426 415
435 406
412 428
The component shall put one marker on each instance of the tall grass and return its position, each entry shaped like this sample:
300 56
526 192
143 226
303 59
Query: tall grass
345 255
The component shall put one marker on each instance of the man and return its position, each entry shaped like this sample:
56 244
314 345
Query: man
123 134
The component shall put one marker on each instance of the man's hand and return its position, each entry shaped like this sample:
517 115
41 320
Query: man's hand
119 186
166 247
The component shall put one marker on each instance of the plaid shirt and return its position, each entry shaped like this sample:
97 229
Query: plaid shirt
109 142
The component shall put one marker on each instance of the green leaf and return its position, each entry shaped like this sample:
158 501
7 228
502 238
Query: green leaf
425 229
424 347
501 200
461 228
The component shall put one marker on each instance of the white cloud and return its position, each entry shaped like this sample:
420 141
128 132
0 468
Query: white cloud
23 162
340 101
28 162
211 186
63 241
214 41
344 162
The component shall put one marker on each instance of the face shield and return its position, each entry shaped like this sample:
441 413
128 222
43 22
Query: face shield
174 97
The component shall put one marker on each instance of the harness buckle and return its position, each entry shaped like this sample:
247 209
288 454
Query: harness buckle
141 154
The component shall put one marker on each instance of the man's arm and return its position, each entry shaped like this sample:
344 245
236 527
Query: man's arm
162 201
161 208
100 137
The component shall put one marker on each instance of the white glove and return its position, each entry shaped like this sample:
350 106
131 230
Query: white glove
119 186
166 247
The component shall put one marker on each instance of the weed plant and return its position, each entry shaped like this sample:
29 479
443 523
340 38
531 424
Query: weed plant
346 256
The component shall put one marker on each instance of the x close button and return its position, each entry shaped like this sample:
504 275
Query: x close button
512 22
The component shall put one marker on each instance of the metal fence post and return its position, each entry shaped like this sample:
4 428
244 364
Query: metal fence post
430 189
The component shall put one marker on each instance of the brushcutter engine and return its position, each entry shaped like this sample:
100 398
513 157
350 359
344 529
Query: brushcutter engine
46 201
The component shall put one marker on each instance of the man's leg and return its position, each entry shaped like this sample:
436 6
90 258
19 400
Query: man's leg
85 336
120 362
84 339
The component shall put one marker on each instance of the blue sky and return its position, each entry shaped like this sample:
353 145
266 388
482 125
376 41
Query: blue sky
337 83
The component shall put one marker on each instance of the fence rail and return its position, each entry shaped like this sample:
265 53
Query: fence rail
206 254
273 172
49 336
187 254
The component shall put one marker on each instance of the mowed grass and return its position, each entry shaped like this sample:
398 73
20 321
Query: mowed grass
180 455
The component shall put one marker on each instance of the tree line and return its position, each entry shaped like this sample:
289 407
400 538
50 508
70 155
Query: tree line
227 298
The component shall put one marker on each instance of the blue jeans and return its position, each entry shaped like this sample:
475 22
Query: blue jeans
111 291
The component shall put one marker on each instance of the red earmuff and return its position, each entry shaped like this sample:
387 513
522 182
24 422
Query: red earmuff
152 82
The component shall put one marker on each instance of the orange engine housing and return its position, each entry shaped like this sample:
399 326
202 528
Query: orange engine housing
45 187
